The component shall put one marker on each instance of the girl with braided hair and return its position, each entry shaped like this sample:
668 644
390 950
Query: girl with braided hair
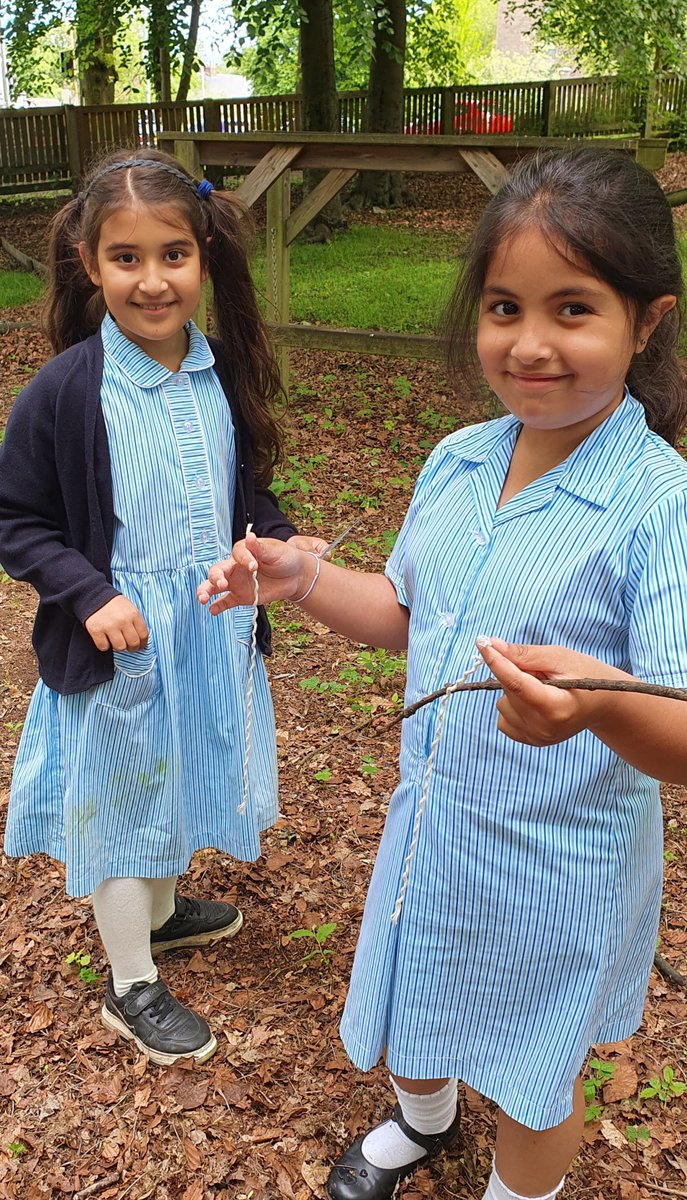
133 460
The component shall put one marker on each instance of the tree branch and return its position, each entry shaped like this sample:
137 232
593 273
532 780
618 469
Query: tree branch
580 685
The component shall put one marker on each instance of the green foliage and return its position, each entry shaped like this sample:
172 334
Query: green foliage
324 775
18 287
632 39
17 1148
637 1133
448 42
80 959
666 1087
319 934
601 1074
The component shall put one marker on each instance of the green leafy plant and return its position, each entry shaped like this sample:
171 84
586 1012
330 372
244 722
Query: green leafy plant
17 1148
319 934
368 766
637 1133
324 775
665 1086
601 1074
80 959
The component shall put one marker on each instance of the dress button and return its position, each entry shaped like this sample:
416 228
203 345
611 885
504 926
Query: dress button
480 537
188 426
204 537
201 483
448 619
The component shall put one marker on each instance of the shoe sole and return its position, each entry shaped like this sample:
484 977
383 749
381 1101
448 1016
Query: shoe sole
111 1021
201 939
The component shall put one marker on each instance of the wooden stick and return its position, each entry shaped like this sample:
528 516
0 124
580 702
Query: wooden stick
581 685
664 968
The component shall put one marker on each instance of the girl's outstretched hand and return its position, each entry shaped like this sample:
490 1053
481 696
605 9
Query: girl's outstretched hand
531 712
283 569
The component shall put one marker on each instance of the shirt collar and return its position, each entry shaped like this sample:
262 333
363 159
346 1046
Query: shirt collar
145 371
595 467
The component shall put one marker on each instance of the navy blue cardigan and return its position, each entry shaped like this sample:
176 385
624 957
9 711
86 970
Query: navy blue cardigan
57 516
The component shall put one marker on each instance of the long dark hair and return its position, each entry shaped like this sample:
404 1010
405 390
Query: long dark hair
601 208
220 224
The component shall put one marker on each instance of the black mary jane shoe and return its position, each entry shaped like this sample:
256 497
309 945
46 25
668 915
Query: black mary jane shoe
354 1178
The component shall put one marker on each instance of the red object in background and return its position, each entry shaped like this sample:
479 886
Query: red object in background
471 117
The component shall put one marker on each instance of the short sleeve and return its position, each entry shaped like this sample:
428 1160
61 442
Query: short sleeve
657 579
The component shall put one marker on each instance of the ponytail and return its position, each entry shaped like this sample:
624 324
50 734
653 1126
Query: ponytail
74 307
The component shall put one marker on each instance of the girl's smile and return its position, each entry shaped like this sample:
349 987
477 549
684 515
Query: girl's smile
150 271
555 342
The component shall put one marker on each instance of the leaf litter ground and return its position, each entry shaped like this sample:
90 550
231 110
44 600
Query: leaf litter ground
82 1114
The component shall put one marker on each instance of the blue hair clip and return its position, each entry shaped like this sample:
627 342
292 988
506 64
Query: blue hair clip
204 188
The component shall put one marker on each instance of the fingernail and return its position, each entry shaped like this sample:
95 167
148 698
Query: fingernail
483 642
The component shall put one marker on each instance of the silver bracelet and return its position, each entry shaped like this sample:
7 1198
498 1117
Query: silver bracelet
318 560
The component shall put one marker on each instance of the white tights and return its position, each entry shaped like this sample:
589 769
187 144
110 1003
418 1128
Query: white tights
126 910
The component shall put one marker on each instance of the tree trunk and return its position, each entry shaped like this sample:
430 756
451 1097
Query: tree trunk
385 98
97 74
189 52
320 102
95 52
159 61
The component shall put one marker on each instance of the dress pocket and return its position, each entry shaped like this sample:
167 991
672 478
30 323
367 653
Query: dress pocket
136 679
242 620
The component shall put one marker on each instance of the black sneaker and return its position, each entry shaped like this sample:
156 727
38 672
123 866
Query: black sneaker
195 923
149 1015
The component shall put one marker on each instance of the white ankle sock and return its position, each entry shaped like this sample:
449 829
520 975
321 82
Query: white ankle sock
387 1145
123 909
163 900
497 1190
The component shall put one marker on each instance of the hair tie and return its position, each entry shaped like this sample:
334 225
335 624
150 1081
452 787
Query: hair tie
204 188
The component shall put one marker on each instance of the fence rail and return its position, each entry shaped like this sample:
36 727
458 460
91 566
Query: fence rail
51 147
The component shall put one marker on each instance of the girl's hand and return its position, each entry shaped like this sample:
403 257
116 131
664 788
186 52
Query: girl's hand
531 712
117 625
284 571
315 545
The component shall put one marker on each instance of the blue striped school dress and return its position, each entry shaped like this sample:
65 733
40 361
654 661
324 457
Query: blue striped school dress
132 776
529 924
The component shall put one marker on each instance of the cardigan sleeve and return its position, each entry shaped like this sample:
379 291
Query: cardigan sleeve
269 520
34 538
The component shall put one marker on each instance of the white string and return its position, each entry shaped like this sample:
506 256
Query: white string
250 691
476 663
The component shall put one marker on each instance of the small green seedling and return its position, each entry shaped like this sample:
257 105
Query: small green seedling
602 1073
324 775
368 766
320 934
79 958
16 1149
637 1133
666 1087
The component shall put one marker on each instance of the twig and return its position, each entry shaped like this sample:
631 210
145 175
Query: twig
98 1185
656 1187
670 972
580 685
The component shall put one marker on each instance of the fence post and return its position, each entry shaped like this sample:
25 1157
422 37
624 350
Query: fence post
650 110
448 110
76 124
186 152
278 261
545 108
212 123
551 107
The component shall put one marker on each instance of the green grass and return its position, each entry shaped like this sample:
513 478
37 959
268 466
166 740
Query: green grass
18 287
370 277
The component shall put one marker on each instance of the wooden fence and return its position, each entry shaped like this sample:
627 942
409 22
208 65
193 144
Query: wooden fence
50 147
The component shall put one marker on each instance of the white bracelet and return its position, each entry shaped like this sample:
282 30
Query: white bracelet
318 560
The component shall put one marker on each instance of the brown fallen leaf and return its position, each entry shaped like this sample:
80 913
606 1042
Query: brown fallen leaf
623 1084
194 1159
